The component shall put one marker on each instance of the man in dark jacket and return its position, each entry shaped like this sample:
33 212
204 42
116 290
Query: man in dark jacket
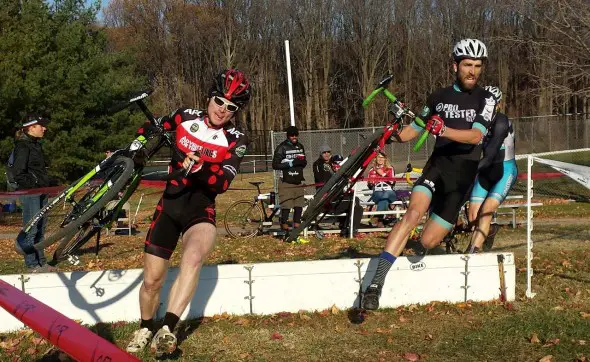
322 168
30 172
289 157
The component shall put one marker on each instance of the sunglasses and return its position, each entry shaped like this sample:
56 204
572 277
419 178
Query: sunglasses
221 102
326 152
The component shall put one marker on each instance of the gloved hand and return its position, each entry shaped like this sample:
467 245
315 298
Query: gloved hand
436 126
397 128
299 162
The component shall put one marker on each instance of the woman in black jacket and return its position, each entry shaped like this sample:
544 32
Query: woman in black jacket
30 172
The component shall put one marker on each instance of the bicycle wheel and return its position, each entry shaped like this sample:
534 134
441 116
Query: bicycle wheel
335 186
243 219
79 202
71 244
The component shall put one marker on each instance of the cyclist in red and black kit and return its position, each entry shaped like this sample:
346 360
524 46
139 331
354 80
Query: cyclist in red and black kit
459 116
214 149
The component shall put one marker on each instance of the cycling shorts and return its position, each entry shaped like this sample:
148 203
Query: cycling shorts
494 182
176 213
447 180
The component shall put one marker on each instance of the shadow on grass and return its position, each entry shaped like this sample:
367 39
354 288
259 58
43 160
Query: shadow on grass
563 276
556 237
348 253
91 248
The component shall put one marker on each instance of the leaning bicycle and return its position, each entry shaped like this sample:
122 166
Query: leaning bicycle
79 212
358 161
248 218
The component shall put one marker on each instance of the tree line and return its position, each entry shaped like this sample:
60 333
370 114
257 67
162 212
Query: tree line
58 59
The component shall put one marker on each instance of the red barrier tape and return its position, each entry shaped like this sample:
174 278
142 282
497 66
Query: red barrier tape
51 191
72 338
540 175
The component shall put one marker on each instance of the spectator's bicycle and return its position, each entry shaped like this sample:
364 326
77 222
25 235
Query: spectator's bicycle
78 213
248 218
358 161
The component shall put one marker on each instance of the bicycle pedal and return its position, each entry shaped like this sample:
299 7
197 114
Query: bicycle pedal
73 259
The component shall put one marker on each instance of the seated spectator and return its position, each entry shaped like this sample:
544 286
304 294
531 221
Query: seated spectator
380 180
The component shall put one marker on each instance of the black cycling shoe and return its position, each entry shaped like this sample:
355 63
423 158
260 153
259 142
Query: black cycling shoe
371 297
489 242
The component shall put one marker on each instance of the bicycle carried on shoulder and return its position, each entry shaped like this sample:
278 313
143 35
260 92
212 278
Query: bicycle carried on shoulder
78 213
358 161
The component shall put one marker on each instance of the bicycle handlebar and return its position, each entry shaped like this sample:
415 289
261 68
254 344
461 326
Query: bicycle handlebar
382 87
138 99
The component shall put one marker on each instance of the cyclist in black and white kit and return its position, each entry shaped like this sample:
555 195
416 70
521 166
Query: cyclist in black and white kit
214 149
459 117
497 174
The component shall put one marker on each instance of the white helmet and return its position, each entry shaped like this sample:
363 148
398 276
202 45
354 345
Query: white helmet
496 92
470 48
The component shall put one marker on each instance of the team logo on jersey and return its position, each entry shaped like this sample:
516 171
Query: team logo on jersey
452 111
235 132
194 127
193 111
488 110
241 151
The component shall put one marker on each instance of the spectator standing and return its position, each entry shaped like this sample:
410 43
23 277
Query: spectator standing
289 158
30 172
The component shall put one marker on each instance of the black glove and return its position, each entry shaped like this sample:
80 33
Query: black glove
298 162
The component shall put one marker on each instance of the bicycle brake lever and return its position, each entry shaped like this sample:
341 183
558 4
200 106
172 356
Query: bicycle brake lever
189 168
385 81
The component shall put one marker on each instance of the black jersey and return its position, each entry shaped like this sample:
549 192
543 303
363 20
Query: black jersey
460 110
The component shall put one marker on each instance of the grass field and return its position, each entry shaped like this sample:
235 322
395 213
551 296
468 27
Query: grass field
555 323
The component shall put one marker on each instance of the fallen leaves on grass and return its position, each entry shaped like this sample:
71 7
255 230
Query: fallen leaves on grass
408 356
10 345
464 305
383 331
334 309
304 317
277 336
429 337
534 338
584 315
242 321
547 358
551 342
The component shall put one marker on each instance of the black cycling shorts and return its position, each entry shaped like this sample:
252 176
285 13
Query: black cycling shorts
173 216
491 175
448 179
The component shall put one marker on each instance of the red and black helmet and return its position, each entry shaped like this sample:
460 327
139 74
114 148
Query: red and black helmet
232 85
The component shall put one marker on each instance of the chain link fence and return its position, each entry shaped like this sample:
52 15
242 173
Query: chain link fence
533 134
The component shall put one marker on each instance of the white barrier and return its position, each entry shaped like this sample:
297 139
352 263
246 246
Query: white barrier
109 296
